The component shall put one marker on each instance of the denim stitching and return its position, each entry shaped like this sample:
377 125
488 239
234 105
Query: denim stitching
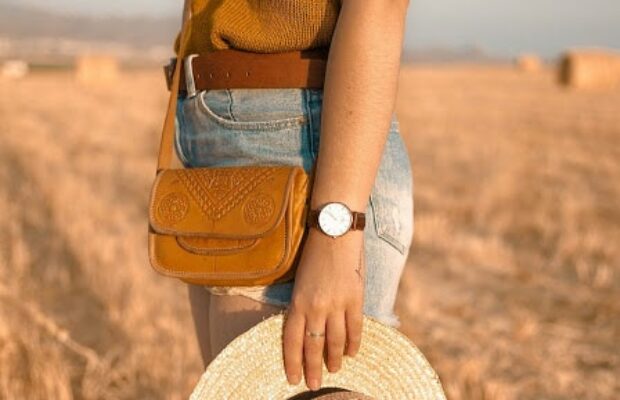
380 229
251 125
307 104
179 123
230 105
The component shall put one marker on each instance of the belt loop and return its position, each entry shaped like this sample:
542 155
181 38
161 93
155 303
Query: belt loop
190 83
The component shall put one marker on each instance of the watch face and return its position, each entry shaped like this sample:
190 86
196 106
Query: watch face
335 219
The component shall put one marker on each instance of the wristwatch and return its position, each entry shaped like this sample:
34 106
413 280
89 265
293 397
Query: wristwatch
335 219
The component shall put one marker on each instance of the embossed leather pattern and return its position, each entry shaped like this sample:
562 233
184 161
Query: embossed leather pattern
228 225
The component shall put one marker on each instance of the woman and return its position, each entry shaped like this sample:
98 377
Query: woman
363 163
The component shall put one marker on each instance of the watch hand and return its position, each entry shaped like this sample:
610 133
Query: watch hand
330 214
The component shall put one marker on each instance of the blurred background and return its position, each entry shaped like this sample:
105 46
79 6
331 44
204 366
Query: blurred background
511 113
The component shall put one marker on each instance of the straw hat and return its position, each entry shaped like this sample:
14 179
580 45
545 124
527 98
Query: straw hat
387 366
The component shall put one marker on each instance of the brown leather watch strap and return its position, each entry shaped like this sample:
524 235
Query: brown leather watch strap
359 219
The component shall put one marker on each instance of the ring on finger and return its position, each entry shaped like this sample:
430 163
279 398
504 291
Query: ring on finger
314 334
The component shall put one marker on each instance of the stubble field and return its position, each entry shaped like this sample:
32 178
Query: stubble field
513 285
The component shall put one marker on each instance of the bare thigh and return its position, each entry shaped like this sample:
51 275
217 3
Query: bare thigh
218 319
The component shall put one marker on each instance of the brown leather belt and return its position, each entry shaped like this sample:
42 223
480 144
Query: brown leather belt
231 68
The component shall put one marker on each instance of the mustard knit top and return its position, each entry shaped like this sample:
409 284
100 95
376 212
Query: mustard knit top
264 26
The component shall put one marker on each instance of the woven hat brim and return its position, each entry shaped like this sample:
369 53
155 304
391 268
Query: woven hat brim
387 366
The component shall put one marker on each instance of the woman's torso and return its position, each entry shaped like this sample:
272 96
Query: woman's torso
264 26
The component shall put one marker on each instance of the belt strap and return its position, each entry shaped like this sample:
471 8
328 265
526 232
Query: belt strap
232 68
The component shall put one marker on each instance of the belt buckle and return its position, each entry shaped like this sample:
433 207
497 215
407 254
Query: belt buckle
190 83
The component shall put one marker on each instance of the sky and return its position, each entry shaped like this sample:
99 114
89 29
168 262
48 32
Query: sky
500 27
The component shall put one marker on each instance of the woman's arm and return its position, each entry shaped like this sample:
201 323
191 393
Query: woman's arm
358 104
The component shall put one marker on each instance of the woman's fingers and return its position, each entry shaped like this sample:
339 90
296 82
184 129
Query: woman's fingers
306 352
354 320
335 340
313 350
293 343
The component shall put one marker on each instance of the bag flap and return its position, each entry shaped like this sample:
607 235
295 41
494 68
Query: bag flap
240 202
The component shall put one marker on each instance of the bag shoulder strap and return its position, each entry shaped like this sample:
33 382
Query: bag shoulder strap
169 128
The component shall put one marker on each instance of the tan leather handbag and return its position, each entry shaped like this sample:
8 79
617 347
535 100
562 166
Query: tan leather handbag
225 226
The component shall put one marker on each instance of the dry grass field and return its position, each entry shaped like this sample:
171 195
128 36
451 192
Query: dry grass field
512 292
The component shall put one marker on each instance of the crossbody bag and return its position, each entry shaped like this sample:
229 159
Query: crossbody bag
228 225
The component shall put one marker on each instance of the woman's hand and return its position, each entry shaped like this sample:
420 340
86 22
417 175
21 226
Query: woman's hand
328 297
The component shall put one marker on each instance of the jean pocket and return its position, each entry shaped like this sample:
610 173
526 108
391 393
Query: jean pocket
179 124
208 138
391 197
256 109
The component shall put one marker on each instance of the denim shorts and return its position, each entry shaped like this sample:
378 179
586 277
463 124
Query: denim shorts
240 126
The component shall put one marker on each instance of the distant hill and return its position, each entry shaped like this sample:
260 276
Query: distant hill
23 22
449 55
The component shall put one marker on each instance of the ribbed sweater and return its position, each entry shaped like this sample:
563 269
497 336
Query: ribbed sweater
264 26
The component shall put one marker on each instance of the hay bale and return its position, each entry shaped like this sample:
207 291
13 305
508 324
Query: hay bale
590 69
97 69
14 69
529 63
